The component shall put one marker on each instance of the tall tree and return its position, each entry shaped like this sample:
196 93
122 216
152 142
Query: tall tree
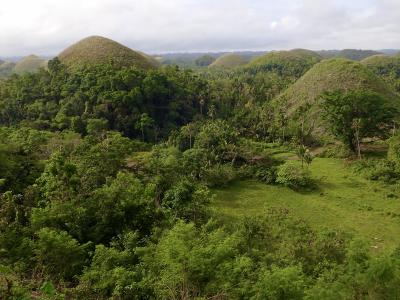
355 115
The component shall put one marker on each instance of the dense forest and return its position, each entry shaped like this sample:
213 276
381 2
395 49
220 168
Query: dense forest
112 177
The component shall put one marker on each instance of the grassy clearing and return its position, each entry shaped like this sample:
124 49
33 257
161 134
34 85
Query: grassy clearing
343 201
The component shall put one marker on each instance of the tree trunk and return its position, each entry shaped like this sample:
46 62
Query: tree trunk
358 144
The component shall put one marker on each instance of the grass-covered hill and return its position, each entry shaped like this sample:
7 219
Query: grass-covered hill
293 63
328 76
99 50
382 63
29 64
352 54
228 61
6 68
386 67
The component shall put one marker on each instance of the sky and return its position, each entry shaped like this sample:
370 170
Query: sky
45 27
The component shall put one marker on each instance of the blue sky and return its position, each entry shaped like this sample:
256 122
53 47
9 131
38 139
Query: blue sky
157 26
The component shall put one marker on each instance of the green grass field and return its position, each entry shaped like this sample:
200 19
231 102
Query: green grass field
344 201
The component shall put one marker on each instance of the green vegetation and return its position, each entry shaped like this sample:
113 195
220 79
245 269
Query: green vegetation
228 61
6 69
344 200
387 68
204 61
96 50
356 115
119 180
29 64
300 103
292 63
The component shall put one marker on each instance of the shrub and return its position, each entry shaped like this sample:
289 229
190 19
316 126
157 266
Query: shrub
285 283
336 151
394 151
374 169
219 175
59 254
265 174
294 176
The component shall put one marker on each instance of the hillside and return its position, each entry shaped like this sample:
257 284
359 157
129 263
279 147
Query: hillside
29 64
6 68
383 65
330 75
99 50
293 63
228 61
387 68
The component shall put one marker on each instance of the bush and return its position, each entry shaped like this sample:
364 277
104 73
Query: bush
265 174
59 254
294 176
374 169
219 175
336 151
394 151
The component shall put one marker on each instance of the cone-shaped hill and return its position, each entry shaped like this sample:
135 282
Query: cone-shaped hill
228 61
329 75
386 67
293 63
30 64
96 50
383 64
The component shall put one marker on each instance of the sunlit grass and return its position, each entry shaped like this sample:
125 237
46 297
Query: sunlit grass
343 201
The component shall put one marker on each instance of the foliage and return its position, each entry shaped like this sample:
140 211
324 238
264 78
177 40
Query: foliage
293 176
356 115
378 169
327 77
292 63
59 254
204 61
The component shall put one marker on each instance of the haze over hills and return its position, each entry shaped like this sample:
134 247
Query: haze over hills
6 68
353 54
99 50
29 64
228 61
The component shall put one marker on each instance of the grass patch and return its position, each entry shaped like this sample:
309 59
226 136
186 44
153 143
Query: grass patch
343 201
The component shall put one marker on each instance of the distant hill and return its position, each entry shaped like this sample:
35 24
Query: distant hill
228 61
386 67
329 75
383 64
353 54
390 51
188 60
293 63
6 69
99 50
30 64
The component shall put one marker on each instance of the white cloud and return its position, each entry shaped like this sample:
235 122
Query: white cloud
47 26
